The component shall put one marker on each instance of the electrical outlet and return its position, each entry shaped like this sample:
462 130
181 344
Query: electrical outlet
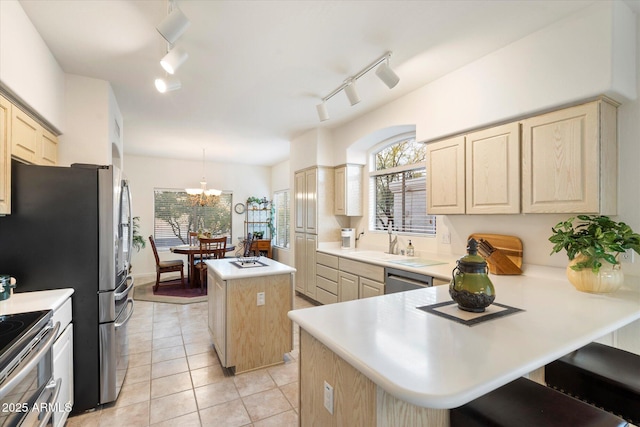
446 237
328 397
260 298
627 256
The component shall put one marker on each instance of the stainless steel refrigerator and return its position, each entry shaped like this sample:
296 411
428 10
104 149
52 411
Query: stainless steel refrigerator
71 227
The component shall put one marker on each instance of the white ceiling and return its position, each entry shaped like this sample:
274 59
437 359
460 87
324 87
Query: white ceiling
257 69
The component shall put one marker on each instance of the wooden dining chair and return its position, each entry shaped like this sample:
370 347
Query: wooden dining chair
166 266
214 248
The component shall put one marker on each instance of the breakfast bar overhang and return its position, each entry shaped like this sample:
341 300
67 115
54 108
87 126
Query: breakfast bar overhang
410 364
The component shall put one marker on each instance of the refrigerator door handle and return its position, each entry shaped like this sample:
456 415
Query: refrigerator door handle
120 295
118 324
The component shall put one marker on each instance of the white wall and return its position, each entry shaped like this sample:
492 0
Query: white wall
570 60
27 67
147 173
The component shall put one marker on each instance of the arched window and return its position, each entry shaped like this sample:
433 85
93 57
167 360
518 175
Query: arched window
398 199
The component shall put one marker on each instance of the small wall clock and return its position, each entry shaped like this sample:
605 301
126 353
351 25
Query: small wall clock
239 208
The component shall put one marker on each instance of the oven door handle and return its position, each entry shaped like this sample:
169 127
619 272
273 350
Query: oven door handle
119 295
55 385
31 362
117 324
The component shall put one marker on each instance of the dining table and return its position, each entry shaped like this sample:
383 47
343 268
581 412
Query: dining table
191 251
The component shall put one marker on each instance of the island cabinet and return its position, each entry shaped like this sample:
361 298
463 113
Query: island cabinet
5 156
247 317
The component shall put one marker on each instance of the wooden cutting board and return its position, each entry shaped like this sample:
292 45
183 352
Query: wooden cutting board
511 246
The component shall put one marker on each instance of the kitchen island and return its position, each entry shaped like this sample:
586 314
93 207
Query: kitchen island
385 362
248 305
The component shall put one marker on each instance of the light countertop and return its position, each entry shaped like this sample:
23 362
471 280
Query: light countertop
227 270
431 361
32 301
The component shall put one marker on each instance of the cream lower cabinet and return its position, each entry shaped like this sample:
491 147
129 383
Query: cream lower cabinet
359 280
5 156
326 278
569 160
305 258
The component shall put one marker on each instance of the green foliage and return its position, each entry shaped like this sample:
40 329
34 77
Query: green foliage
597 237
184 213
138 242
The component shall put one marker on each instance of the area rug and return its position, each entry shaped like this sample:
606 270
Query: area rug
170 291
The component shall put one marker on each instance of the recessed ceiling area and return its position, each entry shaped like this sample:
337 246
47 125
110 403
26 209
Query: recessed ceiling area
257 69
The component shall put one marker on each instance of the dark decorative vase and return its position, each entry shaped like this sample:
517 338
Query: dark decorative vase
470 285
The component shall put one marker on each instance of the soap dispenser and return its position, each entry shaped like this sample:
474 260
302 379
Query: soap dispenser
410 249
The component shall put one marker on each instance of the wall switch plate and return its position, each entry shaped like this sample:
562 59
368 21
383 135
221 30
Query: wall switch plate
446 237
328 397
260 298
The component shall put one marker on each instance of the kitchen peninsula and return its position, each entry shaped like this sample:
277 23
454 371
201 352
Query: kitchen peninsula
383 361
248 305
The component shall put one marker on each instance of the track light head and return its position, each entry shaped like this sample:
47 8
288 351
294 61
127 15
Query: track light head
352 93
167 84
173 60
173 25
323 114
387 75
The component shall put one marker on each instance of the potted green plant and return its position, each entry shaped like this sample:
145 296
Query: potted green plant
593 246
138 241
254 202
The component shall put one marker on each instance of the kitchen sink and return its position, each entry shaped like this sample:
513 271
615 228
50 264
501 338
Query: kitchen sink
416 262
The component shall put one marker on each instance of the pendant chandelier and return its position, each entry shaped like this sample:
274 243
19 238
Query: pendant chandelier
202 191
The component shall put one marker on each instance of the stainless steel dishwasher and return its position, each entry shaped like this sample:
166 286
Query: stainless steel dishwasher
400 280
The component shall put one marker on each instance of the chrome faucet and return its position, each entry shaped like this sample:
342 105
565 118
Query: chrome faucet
393 241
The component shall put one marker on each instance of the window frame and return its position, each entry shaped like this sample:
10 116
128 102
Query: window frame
373 174
287 232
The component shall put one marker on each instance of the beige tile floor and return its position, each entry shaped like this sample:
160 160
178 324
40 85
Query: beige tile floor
175 378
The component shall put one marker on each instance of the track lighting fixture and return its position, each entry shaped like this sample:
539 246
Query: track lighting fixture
387 75
173 60
323 114
173 25
384 72
352 93
167 84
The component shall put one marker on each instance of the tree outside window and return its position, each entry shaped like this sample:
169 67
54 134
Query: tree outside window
177 213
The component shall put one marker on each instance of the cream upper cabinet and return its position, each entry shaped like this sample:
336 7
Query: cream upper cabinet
446 176
299 202
48 149
30 141
493 170
311 208
348 190
25 136
569 160
5 156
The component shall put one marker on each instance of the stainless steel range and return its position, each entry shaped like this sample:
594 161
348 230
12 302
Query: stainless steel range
27 387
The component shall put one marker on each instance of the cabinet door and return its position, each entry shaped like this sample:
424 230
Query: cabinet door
340 202
311 243
48 149
446 176
300 250
25 136
5 156
311 205
369 288
493 170
560 161
220 319
299 202
347 287
63 369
